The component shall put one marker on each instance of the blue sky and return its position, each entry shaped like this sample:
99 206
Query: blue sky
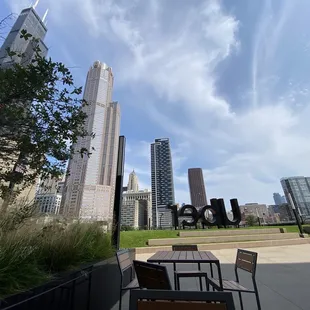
226 81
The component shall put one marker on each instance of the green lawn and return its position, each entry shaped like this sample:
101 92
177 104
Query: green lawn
138 238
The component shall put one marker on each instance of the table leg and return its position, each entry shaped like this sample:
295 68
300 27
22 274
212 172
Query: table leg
211 268
220 275
200 279
174 270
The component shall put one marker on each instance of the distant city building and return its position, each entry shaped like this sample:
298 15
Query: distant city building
136 209
197 187
48 196
258 210
90 187
133 182
278 199
162 183
299 189
284 212
30 21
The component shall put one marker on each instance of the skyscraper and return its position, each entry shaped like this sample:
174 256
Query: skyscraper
133 182
30 21
89 189
162 183
197 187
299 189
277 199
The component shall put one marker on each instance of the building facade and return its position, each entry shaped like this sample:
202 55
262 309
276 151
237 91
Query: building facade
299 189
133 182
162 182
30 21
278 199
197 187
258 210
89 189
49 195
136 209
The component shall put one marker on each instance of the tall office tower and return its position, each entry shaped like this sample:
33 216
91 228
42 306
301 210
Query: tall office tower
299 189
133 182
278 200
89 189
30 21
197 187
162 183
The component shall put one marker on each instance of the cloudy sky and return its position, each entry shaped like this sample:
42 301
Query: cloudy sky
226 81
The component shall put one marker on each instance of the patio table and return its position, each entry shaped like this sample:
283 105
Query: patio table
185 257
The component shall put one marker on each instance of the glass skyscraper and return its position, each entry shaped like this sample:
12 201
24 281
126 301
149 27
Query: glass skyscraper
30 21
162 183
197 187
299 188
89 189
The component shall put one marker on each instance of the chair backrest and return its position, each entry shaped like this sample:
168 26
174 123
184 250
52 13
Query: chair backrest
182 300
152 276
123 260
184 247
246 260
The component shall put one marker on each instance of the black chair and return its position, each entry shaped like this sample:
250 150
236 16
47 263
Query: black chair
152 276
125 265
192 273
180 300
246 261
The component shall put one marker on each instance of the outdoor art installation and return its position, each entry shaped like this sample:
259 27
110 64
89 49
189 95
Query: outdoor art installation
217 208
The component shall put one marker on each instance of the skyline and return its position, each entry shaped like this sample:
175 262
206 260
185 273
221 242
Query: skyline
252 127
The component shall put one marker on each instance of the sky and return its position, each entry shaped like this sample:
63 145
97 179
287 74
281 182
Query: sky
226 81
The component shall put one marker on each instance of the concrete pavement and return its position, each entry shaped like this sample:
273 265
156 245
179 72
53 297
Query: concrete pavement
283 275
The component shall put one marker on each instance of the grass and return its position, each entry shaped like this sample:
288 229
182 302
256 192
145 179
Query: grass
30 256
139 238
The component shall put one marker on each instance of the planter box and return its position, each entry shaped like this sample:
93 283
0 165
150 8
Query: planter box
92 287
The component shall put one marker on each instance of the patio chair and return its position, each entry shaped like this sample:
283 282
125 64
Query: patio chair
246 261
152 276
180 300
125 265
188 274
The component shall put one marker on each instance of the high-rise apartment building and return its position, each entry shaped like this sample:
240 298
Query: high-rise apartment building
197 187
30 21
278 199
162 183
133 182
89 189
299 189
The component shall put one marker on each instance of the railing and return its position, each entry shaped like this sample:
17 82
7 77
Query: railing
53 296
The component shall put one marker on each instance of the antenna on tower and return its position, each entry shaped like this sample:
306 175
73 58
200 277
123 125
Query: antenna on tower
44 16
35 5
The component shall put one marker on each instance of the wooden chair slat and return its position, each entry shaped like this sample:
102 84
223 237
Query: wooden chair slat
184 247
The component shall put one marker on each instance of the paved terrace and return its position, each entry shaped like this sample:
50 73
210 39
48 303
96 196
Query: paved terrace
283 276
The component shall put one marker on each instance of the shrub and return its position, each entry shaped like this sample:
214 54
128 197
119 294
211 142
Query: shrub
32 254
251 220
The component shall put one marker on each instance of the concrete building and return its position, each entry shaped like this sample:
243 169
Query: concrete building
197 187
136 209
258 210
49 195
30 21
299 189
89 189
162 182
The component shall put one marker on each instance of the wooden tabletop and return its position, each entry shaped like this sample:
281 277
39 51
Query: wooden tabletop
183 257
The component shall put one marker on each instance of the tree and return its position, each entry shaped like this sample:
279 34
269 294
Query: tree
251 220
41 117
